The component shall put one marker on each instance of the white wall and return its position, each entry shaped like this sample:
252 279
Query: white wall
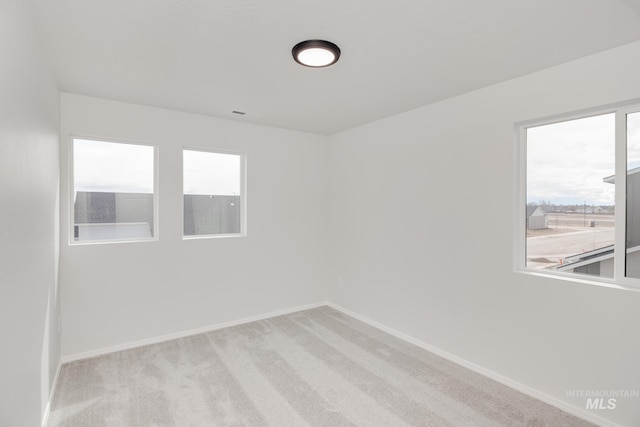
421 223
120 293
29 120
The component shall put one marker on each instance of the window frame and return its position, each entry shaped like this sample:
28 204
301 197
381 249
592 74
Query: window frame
619 280
243 193
71 190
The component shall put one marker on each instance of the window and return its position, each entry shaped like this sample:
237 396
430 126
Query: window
213 202
113 192
632 262
575 217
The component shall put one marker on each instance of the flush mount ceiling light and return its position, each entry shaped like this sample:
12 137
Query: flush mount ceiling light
316 53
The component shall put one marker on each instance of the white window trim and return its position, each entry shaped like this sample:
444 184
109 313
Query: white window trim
243 193
71 191
520 183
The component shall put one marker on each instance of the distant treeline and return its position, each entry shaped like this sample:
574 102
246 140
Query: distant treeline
550 207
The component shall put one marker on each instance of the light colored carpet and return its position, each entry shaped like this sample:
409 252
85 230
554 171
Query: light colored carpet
312 368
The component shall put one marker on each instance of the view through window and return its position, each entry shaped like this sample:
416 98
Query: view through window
212 199
570 196
113 191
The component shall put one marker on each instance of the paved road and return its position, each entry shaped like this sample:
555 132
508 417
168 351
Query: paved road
556 246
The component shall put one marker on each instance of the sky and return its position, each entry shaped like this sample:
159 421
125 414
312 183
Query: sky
567 161
211 173
112 167
128 168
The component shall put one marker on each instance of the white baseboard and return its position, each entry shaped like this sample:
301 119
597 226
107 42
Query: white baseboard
536 394
54 385
182 334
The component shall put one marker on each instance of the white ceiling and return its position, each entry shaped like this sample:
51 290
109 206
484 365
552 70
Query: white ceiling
215 56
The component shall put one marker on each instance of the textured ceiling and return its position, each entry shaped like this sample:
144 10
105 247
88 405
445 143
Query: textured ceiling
215 56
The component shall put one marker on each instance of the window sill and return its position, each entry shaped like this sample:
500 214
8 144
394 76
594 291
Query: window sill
607 283
213 236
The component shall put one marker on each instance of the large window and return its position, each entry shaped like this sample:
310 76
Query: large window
113 192
213 203
575 216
